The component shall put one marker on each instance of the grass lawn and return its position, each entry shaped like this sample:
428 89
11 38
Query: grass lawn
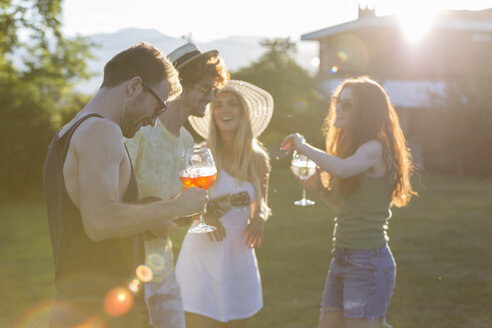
440 243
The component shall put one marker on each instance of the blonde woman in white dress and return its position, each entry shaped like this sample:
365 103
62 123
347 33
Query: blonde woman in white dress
218 272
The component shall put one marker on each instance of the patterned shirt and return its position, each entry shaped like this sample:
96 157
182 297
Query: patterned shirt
156 154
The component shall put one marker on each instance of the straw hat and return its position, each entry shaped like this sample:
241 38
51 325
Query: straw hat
187 53
259 107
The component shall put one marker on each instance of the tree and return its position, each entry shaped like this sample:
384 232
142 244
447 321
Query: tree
458 127
38 68
298 106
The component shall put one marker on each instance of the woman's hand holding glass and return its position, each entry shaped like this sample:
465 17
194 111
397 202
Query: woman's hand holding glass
292 142
303 168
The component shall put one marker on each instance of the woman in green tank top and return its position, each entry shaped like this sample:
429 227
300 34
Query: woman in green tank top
365 170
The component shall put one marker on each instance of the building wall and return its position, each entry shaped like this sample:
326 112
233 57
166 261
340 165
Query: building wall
384 53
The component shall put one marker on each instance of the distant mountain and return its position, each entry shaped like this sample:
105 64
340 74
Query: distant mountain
237 51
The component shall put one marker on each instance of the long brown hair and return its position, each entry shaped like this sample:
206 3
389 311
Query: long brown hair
372 118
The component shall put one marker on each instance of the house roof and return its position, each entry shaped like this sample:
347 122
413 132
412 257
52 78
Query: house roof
353 25
450 20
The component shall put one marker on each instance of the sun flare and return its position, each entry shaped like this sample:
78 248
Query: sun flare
415 23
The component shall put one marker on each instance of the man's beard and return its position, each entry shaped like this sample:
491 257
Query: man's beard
199 110
129 122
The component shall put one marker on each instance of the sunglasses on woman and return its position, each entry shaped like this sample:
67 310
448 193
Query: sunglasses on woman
346 105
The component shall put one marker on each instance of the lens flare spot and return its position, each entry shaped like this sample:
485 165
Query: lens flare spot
300 106
144 273
155 261
94 322
134 286
118 302
315 61
342 55
334 69
37 317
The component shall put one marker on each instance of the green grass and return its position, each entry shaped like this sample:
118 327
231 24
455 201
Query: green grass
441 244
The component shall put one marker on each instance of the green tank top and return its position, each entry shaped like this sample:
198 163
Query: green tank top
362 221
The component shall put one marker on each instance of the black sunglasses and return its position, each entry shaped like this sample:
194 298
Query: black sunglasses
163 103
346 105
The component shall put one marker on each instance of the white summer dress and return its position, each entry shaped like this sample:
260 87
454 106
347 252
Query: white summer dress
221 280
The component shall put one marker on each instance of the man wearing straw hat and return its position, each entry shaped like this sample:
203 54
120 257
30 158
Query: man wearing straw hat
156 155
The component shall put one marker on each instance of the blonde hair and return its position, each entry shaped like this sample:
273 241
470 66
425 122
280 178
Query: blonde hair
248 154
372 118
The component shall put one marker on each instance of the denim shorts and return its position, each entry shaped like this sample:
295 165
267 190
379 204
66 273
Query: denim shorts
360 282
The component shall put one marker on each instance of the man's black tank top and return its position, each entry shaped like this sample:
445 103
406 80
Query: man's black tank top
86 271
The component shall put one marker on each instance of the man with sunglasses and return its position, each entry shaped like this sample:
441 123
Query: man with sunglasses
156 155
95 216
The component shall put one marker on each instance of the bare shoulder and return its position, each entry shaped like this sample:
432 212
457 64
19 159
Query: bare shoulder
97 133
372 148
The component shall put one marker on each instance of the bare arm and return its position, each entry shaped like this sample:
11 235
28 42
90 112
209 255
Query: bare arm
261 212
364 158
101 158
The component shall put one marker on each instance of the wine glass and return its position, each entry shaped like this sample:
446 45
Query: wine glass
197 169
303 167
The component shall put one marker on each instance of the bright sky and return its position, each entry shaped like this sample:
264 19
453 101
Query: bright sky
215 19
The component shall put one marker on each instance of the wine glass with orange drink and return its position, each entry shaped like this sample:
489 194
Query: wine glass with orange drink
197 169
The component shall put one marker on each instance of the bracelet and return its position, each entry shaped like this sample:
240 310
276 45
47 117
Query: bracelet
259 217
